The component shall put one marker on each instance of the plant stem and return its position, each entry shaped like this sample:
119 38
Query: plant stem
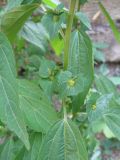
78 9
65 112
68 32
67 44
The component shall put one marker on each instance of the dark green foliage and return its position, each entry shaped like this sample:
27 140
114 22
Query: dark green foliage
49 110
83 1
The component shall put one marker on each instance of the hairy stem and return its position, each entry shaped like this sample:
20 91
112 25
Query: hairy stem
68 33
67 44
78 9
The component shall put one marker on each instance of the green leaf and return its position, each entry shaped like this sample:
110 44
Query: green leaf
97 51
102 106
34 61
110 21
13 3
91 100
39 113
113 121
83 1
20 151
104 85
35 141
1 147
31 1
115 80
12 21
7 152
36 34
20 154
68 84
53 23
47 68
47 86
57 45
100 45
98 55
10 113
84 19
51 3
81 63
47 73
107 110
63 142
